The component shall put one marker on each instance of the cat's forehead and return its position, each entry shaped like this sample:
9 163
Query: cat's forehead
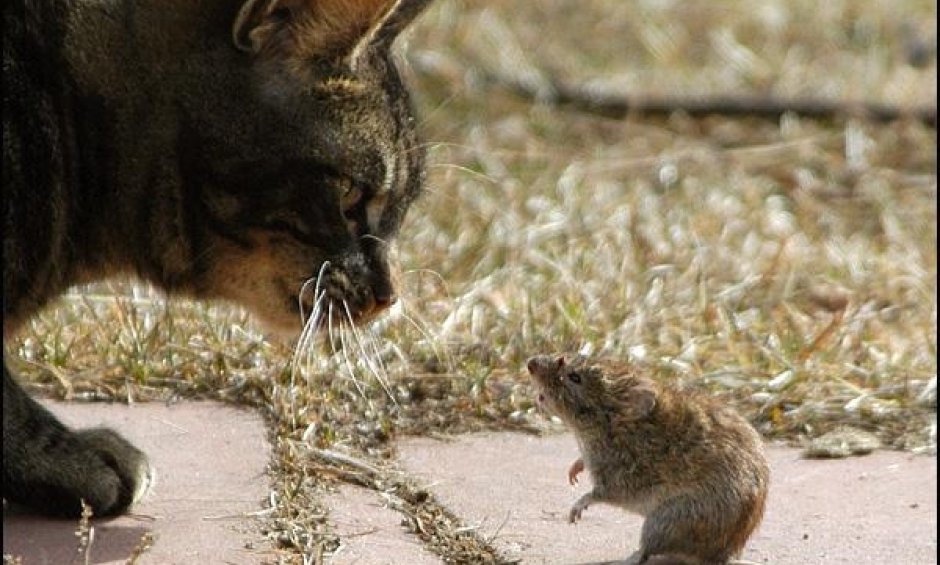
356 132
359 125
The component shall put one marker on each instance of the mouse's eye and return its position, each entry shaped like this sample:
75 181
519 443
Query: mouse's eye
575 378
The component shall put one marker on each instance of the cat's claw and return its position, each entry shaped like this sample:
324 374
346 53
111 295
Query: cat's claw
120 474
96 466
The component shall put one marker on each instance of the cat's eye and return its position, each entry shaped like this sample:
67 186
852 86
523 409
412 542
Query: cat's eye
352 194
290 224
281 14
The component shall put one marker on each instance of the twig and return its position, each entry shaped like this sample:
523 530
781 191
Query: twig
338 458
613 104
822 336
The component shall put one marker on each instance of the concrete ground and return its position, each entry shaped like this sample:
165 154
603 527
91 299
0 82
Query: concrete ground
877 509
211 461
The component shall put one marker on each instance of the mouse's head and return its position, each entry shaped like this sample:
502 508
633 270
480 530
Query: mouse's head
565 388
581 393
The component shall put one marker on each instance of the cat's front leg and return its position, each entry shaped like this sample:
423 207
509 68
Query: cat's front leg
50 468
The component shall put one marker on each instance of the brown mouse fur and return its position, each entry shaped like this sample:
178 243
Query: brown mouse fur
693 467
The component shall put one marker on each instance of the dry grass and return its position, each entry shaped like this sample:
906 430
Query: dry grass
789 267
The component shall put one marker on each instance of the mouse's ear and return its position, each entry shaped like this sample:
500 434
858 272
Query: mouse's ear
638 400
560 362
643 400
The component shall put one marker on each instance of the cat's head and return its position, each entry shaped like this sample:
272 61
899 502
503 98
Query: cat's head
307 176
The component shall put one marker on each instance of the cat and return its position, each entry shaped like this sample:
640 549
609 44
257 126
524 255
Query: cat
220 149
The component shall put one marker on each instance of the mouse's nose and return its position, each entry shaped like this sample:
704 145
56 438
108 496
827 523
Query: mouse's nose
533 364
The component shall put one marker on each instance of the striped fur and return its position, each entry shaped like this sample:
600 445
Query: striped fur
216 149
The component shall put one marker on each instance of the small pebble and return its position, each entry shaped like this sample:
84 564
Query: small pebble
841 442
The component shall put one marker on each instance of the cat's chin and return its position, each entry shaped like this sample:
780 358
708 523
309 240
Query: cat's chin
287 326
281 333
283 326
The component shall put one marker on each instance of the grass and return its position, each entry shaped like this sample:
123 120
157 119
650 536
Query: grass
788 267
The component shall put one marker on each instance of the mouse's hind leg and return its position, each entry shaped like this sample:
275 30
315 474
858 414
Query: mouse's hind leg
686 531
670 560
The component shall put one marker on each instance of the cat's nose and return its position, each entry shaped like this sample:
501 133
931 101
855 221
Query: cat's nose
385 299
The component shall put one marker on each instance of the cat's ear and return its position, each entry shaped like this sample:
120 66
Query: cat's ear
397 17
341 30
256 22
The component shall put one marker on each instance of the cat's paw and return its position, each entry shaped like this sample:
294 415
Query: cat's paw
62 468
118 474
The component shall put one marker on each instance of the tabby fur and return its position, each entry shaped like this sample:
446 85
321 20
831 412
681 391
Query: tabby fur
219 149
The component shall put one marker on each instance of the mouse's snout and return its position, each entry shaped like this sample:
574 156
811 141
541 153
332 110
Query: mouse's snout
545 365
533 365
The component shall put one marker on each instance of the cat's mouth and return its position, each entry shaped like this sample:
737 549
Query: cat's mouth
334 299
327 312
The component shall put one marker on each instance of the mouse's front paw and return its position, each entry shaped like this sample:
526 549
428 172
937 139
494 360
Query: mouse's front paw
575 470
575 513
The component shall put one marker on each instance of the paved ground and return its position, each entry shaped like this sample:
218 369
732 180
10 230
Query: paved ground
371 533
211 459
210 462
876 509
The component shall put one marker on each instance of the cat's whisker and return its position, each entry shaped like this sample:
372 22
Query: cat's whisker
442 283
301 342
414 322
316 307
304 349
528 153
371 359
305 341
393 347
375 238
316 289
310 324
355 334
329 328
463 169
436 274
300 296
349 365
425 334
371 339
302 352
437 144
440 107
